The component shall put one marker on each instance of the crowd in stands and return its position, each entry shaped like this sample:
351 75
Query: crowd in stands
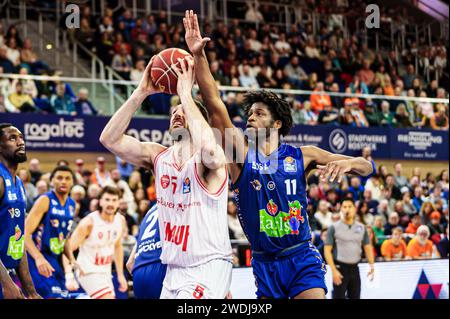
266 55
27 95
406 213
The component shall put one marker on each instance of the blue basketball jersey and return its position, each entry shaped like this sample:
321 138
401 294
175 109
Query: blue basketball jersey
271 198
52 231
148 243
12 220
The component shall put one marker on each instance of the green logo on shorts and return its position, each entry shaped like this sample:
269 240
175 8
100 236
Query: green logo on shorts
57 244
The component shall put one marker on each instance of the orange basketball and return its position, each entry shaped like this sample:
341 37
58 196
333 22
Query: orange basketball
163 76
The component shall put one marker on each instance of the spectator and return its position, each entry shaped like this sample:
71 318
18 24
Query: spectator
35 170
138 71
132 225
329 115
295 73
28 85
363 214
356 189
247 79
319 99
443 246
125 169
402 117
378 229
371 113
82 105
12 52
358 86
414 224
420 247
18 101
387 118
366 74
323 214
5 63
61 102
399 179
358 116
373 185
434 225
122 62
30 189
283 47
101 176
409 77
439 120
393 222
394 248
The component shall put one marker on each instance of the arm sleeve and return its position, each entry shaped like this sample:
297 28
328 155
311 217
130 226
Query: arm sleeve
330 236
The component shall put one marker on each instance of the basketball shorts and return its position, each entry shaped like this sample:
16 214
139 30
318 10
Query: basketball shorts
211 280
148 280
287 274
53 287
97 285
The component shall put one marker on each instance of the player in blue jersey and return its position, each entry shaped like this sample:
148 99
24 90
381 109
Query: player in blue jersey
46 229
144 263
269 183
13 258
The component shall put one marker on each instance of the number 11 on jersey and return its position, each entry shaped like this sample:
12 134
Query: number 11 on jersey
291 186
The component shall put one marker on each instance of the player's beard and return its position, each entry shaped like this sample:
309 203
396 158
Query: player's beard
16 158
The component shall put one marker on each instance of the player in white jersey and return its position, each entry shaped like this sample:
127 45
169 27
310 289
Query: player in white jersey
191 189
99 239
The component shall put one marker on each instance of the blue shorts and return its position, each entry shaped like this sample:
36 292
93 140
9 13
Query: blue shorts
53 287
148 280
287 274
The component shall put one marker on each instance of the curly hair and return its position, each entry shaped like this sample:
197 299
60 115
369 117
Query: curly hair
279 108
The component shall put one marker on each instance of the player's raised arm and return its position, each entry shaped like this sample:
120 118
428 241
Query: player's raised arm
113 136
218 112
335 166
202 135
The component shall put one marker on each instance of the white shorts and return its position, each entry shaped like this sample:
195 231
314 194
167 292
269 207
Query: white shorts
97 285
211 280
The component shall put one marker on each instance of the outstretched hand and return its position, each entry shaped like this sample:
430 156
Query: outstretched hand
193 36
334 170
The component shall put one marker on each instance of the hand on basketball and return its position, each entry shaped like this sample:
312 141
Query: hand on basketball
123 285
334 170
44 267
185 74
146 85
193 37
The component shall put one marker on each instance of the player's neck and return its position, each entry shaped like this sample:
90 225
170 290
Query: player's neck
268 145
12 167
62 197
182 151
348 221
107 217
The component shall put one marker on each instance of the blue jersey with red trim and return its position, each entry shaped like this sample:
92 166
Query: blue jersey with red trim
148 241
52 231
12 220
271 198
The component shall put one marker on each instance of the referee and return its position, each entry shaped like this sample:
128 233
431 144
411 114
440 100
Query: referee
343 252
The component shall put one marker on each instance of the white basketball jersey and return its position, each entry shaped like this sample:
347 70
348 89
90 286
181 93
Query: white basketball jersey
97 252
192 221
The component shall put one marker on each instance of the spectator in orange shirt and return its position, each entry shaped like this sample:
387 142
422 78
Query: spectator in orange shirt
421 247
319 99
394 248
416 221
100 176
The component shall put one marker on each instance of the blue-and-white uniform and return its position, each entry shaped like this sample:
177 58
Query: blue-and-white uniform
12 222
49 238
271 200
148 271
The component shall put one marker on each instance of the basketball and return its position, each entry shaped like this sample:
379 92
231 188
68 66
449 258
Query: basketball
163 76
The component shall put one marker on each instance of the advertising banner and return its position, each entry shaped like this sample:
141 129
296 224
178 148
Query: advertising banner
81 134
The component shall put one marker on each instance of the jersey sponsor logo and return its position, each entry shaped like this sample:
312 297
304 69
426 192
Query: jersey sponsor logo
272 208
290 165
103 260
12 196
71 211
7 182
100 235
143 248
54 202
59 212
359 229
271 185
186 185
260 166
177 234
16 244
14 212
57 244
165 180
256 185
23 193
179 206
54 223
281 223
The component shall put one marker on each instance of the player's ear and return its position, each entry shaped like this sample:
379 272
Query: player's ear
277 124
